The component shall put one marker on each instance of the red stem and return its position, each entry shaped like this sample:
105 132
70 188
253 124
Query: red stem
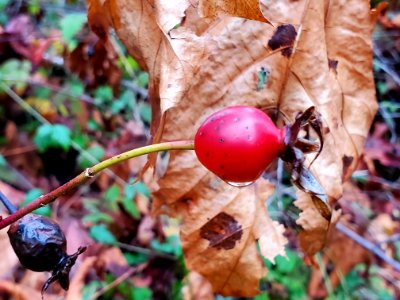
43 200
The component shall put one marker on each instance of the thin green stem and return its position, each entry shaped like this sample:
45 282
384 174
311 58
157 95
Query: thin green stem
177 145
90 172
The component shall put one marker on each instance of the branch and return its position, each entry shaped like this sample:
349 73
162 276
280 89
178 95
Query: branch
369 246
89 173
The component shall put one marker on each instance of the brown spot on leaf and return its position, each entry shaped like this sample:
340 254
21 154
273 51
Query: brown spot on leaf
222 231
333 63
284 36
347 161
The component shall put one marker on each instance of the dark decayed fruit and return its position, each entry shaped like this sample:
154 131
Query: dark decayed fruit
40 245
38 242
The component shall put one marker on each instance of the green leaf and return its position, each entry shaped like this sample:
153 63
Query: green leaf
17 71
171 245
76 88
101 234
112 196
3 161
103 95
286 265
262 296
135 258
70 25
90 289
130 206
42 139
93 125
142 293
97 217
176 293
34 7
145 112
138 187
96 151
32 195
52 136
143 79
129 191
262 75
62 135
124 102
397 250
132 63
41 92
3 4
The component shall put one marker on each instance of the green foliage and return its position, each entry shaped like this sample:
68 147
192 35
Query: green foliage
132 63
125 289
138 187
101 234
95 151
34 7
355 286
143 79
262 75
103 96
70 25
130 207
32 195
15 73
90 288
97 217
291 272
397 247
135 258
52 136
111 196
390 106
3 16
141 293
124 103
145 112
3 161
171 245
128 201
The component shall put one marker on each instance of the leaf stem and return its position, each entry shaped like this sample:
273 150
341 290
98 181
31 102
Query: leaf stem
90 172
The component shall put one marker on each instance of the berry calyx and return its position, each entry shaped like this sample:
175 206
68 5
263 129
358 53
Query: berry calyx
238 143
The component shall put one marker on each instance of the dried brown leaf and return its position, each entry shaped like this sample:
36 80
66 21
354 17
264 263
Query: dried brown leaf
99 18
221 225
197 288
8 257
195 69
95 61
78 280
248 9
315 226
21 292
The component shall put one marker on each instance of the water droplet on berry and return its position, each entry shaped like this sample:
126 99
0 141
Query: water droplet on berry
240 184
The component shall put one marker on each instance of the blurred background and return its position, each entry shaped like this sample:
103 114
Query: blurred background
67 101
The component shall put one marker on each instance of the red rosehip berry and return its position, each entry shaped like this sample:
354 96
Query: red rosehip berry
238 143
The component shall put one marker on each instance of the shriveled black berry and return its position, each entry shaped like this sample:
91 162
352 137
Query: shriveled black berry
40 245
38 242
